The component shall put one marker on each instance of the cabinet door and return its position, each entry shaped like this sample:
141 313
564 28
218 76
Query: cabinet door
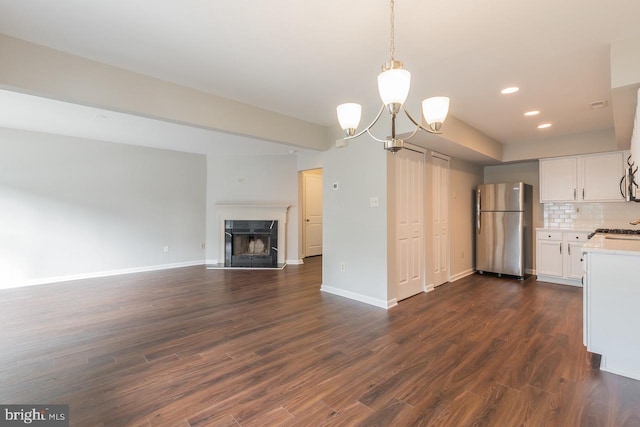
600 177
549 260
558 179
574 255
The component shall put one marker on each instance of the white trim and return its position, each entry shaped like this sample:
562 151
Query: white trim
211 261
440 156
295 261
359 297
461 275
56 279
222 267
430 287
603 367
559 280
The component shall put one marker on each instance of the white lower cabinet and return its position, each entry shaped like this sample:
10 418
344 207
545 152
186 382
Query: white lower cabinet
574 243
558 256
611 315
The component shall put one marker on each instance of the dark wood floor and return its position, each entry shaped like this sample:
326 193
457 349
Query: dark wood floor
197 347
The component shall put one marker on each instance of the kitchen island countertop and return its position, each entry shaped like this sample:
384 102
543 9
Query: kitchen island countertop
614 244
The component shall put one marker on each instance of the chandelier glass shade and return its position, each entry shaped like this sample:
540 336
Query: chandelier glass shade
394 83
349 116
435 110
393 86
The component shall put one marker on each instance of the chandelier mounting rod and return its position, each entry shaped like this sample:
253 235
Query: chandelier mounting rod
392 37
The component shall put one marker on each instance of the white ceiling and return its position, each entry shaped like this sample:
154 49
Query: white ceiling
302 58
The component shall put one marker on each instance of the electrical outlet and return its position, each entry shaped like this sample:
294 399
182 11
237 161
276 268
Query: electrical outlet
343 266
203 245
374 202
166 248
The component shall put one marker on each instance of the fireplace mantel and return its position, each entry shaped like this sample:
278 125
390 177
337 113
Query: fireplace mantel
274 212
271 212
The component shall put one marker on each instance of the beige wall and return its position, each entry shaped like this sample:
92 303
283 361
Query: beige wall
465 177
527 172
566 145
41 71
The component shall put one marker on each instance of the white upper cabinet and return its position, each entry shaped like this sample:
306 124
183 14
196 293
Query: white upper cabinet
601 174
558 179
588 178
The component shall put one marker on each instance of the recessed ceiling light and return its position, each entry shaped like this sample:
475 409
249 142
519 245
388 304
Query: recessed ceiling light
544 125
532 113
508 90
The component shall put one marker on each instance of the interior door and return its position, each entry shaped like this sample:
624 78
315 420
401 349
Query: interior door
313 214
409 209
440 191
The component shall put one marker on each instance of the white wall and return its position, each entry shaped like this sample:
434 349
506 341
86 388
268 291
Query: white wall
308 159
355 233
252 180
73 208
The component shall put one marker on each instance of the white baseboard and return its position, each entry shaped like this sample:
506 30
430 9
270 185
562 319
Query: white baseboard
211 261
461 275
359 297
619 370
430 287
56 279
559 280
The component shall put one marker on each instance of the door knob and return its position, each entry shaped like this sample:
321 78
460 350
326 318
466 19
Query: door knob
308 220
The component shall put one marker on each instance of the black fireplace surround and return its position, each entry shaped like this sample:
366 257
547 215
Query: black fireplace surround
252 243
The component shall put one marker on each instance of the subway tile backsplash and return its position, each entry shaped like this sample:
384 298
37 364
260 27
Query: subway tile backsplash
591 215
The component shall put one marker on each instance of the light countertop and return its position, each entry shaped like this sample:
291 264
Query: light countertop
620 243
578 230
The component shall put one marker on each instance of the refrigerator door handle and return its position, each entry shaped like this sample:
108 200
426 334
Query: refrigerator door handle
478 221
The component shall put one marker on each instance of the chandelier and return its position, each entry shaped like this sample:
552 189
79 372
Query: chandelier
393 86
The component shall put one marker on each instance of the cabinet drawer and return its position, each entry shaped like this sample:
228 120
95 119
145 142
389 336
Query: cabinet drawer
549 235
576 237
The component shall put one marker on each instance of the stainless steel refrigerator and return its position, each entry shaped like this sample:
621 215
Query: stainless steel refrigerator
503 228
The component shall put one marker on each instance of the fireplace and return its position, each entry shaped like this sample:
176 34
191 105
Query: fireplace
251 236
251 243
